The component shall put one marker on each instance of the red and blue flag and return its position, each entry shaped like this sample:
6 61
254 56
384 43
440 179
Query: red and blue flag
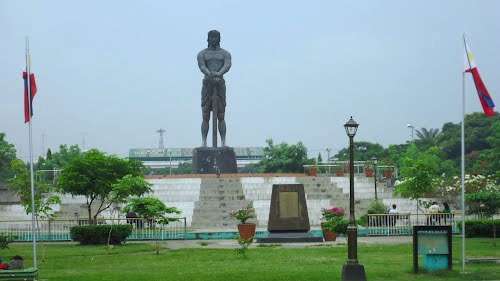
482 92
29 95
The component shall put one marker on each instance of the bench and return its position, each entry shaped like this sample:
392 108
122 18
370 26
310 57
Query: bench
28 274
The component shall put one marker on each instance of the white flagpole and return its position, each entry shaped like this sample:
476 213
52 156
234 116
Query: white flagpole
462 178
32 178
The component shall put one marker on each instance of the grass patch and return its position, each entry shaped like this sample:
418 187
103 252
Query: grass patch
138 262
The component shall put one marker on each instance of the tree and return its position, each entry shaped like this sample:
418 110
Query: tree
363 151
7 154
152 209
45 197
58 160
478 132
103 180
488 160
419 172
284 158
427 138
320 159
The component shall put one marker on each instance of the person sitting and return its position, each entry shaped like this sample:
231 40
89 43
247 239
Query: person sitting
3 266
433 211
447 215
393 211
16 263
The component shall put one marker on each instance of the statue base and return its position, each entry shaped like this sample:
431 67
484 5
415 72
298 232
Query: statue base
213 160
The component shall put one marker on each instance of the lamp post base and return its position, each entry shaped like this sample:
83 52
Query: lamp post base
353 272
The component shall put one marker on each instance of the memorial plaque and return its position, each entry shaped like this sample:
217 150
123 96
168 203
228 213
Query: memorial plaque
289 204
288 211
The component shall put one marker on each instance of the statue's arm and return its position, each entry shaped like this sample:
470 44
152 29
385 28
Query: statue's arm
227 64
202 65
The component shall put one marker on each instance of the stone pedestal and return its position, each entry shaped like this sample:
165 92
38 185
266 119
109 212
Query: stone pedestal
288 217
213 160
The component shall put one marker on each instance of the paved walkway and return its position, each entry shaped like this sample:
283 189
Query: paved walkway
232 244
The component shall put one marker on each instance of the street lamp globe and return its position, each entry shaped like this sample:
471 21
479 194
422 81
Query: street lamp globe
351 127
374 160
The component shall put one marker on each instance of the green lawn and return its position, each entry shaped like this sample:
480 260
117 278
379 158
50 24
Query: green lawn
137 261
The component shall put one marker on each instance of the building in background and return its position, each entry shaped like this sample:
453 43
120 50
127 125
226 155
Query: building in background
157 158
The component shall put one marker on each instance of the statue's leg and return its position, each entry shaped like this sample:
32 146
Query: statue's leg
221 91
204 126
205 108
222 127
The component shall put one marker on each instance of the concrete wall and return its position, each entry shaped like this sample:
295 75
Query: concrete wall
207 202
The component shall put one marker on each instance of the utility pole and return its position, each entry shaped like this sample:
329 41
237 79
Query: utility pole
161 144
84 143
328 159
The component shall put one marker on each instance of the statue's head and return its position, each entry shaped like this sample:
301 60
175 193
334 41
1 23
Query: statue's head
213 38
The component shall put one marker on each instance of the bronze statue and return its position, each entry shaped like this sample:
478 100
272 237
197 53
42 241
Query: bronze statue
214 62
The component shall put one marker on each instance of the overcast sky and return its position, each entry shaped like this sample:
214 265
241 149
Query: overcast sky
113 72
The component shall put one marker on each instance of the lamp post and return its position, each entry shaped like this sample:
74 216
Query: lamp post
412 128
374 159
352 269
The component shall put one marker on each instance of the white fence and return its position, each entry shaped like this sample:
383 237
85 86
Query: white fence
402 224
59 229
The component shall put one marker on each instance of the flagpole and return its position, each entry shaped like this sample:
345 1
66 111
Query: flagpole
32 182
462 178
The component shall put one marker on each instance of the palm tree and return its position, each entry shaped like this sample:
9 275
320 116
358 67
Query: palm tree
427 138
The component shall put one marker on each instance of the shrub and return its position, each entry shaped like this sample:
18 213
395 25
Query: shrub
376 207
99 234
5 239
480 228
341 226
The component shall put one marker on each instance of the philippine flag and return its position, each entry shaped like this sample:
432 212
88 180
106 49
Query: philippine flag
484 96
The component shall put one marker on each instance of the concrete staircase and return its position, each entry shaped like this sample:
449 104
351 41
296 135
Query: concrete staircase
218 198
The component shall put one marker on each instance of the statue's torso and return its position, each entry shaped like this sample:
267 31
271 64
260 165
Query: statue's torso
214 59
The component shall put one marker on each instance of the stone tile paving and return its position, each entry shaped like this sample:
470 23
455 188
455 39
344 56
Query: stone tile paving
232 244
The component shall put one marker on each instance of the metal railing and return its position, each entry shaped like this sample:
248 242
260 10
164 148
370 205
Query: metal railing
59 229
341 168
402 224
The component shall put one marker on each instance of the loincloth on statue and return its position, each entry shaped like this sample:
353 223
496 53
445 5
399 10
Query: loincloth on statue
211 88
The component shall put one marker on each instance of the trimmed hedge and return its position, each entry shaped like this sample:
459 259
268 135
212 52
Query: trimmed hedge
480 228
98 234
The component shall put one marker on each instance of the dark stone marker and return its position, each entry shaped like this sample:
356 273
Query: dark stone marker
214 160
288 218
288 210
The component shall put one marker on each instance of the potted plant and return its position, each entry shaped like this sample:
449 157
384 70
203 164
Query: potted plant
246 230
332 218
387 173
368 171
313 171
339 171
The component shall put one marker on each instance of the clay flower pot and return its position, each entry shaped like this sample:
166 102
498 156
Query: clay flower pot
369 172
313 172
387 174
328 235
247 230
